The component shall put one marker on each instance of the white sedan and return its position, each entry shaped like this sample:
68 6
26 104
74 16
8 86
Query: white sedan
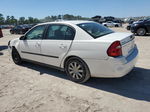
111 24
83 49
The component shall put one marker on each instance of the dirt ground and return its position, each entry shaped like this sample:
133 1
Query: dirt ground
34 88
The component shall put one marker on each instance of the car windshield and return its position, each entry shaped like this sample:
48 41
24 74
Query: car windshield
95 30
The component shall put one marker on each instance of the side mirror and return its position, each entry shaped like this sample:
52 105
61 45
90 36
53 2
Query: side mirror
21 38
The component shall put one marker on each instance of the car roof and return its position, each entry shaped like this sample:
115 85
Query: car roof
75 22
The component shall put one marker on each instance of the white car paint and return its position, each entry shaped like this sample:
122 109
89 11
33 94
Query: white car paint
92 51
111 24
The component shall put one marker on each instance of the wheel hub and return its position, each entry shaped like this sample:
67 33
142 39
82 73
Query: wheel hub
75 70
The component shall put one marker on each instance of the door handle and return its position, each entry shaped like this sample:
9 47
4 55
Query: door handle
62 46
37 44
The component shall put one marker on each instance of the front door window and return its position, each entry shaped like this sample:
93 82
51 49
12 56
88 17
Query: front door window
36 33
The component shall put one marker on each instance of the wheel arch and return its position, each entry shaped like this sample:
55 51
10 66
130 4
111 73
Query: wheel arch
74 56
141 27
13 54
15 44
14 47
67 58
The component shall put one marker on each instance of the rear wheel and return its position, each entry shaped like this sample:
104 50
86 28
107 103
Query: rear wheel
141 31
16 57
116 25
105 25
77 70
11 32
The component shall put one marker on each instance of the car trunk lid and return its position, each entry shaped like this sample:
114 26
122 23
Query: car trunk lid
126 40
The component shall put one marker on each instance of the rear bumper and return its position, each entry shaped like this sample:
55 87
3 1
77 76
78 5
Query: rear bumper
113 67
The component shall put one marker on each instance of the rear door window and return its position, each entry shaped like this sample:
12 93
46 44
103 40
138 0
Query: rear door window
60 32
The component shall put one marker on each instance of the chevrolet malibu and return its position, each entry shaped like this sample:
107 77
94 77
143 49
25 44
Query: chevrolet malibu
83 49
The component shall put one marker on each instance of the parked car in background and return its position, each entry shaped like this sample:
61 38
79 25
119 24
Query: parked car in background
141 28
83 49
7 26
20 29
129 25
111 24
138 21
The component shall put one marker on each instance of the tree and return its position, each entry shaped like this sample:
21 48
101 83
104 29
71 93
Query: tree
7 21
68 17
21 20
47 19
13 20
36 20
31 20
59 17
54 18
79 17
2 19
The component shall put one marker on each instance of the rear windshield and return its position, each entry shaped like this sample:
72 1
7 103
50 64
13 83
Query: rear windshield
95 30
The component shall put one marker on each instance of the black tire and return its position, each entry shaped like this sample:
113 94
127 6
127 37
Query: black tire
80 73
16 57
116 25
11 32
128 27
105 25
141 31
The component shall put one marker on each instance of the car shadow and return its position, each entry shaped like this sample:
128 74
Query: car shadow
135 85
45 70
1 53
2 48
147 35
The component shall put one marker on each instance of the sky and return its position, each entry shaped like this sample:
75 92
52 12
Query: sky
85 8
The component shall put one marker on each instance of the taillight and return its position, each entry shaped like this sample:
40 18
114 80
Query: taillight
115 49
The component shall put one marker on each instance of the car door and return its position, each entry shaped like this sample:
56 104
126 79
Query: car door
148 25
30 46
57 43
110 24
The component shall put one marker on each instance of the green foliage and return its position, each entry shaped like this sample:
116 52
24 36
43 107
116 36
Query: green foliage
63 17
11 20
2 19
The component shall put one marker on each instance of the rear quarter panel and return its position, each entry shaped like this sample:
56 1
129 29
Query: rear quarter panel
89 49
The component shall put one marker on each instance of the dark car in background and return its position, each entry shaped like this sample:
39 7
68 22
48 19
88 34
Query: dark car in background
141 28
6 26
20 29
132 22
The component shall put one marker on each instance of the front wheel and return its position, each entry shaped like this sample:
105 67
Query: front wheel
16 57
11 32
77 70
141 31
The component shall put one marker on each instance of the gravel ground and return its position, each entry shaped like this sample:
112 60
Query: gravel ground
34 88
